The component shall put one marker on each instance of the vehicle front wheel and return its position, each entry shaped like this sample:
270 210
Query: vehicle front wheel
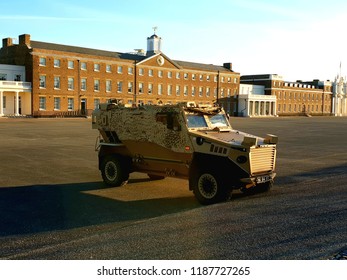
113 172
208 189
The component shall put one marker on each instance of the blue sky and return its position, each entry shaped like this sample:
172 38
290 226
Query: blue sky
294 38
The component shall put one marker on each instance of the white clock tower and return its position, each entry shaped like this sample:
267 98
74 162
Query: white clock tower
153 44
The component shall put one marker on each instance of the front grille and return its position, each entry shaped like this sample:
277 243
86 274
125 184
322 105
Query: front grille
262 159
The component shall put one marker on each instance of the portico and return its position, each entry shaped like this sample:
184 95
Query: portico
15 98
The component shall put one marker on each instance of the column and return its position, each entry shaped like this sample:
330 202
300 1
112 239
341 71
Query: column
1 104
16 113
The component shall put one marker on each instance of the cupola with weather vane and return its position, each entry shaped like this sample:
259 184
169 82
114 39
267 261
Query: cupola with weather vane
153 43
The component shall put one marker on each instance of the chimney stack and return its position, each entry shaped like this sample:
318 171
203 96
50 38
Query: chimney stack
24 39
228 65
6 42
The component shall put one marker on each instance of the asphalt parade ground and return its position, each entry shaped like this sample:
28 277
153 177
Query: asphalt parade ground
54 205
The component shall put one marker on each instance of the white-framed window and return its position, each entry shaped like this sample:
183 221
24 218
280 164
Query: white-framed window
120 69
84 84
185 76
56 82
42 61
96 67
108 85
201 76
56 63
207 92
42 81
141 71
119 86
57 103
140 87
208 78
150 72
160 89
70 64
160 73
96 85
130 87
96 103
70 104
150 88
178 75
169 74
193 77
42 103
83 65
178 90
169 89
130 70
108 68
201 91
193 91
185 90
70 83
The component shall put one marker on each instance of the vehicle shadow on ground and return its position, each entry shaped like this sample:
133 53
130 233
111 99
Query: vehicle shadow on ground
39 208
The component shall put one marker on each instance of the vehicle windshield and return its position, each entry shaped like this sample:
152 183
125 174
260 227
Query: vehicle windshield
199 121
195 121
218 120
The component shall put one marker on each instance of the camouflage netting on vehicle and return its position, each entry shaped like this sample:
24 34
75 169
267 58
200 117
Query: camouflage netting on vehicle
156 124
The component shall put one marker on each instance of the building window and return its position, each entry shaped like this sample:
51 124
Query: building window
130 70
70 104
193 91
150 72
178 90
120 69
108 85
169 74
56 63
96 103
150 88
3 102
83 66
56 82
84 84
96 85
42 61
160 74
119 86
42 81
186 76
185 90
140 87
70 64
169 89
130 87
70 83
208 78
108 68
160 89
201 76
201 91
193 77
42 103
207 92
96 67
141 72
57 103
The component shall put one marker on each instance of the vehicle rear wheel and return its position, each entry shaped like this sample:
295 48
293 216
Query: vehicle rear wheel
208 188
113 172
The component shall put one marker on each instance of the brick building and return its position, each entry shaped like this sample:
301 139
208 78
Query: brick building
69 80
295 98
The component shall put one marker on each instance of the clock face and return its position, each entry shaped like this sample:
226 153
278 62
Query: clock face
160 60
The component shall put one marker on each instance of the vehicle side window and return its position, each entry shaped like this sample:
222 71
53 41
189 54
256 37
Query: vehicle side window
170 119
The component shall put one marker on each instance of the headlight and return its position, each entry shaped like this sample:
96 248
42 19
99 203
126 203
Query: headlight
241 159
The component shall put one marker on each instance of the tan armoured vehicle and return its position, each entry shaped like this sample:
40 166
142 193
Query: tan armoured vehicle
183 141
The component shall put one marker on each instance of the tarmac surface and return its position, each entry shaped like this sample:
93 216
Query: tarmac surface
54 205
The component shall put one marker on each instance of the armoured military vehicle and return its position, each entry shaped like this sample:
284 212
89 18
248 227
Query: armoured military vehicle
186 141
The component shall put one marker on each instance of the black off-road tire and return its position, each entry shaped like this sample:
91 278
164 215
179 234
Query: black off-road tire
209 188
113 171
